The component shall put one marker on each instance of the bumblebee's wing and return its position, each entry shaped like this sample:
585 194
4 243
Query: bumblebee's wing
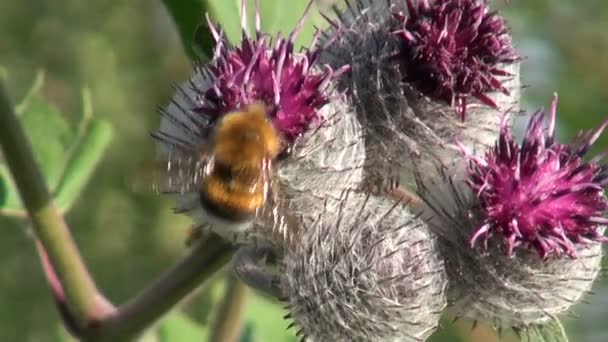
274 219
178 173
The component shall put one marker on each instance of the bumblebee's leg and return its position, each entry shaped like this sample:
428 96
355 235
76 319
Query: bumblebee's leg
250 265
396 191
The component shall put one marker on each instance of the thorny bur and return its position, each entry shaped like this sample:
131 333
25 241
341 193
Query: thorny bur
521 233
369 273
416 68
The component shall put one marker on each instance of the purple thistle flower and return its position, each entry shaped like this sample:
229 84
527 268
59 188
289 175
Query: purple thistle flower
291 85
540 194
493 287
453 49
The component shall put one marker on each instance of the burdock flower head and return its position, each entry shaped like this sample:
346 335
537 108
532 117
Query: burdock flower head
540 194
414 64
262 69
292 87
365 270
507 220
454 50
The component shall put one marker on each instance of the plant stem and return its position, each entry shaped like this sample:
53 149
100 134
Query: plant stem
228 322
203 261
48 223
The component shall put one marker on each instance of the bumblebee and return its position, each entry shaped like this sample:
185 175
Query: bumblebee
228 180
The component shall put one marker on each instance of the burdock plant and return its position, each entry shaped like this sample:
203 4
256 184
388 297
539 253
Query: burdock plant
521 233
508 233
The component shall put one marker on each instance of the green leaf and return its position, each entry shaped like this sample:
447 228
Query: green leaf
67 155
178 327
81 166
10 202
283 16
248 333
3 191
549 332
51 137
227 14
31 93
202 42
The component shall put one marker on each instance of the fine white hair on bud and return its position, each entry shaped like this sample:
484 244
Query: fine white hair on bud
328 159
325 162
412 106
487 284
368 273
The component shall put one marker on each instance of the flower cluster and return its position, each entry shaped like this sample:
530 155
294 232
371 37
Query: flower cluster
540 194
361 266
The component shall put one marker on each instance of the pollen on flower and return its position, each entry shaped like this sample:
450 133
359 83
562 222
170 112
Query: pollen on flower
454 50
540 194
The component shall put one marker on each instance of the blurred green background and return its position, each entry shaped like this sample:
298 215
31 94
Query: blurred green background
129 52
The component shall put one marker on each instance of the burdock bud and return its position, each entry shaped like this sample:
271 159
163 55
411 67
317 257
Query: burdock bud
369 273
417 67
520 233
